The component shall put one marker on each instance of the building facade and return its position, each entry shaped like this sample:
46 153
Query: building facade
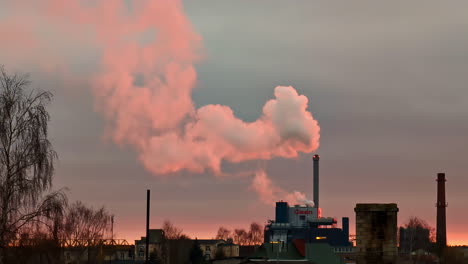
376 233
304 222
218 248
156 238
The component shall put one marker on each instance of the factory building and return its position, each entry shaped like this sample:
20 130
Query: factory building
376 233
305 222
301 232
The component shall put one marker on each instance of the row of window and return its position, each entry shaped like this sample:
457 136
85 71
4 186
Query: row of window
344 250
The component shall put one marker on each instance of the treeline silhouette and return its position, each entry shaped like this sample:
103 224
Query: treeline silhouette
36 221
253 236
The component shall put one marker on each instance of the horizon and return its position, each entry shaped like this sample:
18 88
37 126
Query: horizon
218 107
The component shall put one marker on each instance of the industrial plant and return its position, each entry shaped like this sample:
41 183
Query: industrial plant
301 232
302 227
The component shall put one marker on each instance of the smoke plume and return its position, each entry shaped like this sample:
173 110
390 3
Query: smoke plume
144 89
268 193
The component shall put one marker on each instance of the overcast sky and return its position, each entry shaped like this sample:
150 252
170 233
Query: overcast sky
386 80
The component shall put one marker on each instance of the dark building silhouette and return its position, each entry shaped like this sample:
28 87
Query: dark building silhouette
376 233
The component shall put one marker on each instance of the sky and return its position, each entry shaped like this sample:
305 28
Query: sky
386 82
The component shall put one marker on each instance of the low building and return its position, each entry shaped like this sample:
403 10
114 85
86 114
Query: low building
347 254
297 252
464 251
229 250
218 248
78 254
237 260
105 250
247 251
119 253
156 238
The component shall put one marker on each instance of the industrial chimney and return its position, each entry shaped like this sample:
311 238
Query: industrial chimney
316 159
441 233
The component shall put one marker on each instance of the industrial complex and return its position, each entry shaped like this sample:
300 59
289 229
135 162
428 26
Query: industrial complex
301 233
304 223
298 233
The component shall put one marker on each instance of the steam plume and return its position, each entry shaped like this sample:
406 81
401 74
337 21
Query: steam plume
144 85
268 193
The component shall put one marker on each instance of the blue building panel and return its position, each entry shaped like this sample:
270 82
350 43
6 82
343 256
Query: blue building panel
282 212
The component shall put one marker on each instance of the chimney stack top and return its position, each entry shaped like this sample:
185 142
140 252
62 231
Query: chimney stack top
441 177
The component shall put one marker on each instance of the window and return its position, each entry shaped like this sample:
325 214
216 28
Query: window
208 248
302 217
67 255
122 255
141 252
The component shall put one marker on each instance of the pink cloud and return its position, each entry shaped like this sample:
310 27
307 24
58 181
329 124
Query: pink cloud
144 82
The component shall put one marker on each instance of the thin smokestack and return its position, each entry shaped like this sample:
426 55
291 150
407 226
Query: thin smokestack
316 180
441 235
147 225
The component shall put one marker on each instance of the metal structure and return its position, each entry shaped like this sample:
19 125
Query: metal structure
92 242
441 233
74 243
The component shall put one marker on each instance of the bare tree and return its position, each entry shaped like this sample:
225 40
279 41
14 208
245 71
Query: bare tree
84 225
172 232
26 158
173 241
415 235
223 233
255 234
418 223
240 237
83 228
